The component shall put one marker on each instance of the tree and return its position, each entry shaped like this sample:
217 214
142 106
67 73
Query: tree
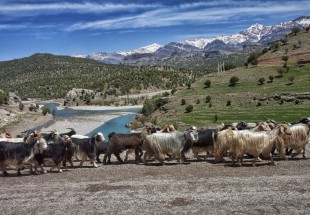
233 81
299 42
21 106
189 85
286 50
295 30
281 71
208 99
264 50
254 62
291 79
229 66
285 58
307 29
275 45
271 78
183 102
207 83
228 103
261 81
189 108
284 41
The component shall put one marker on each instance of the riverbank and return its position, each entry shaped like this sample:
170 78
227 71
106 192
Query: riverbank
82 124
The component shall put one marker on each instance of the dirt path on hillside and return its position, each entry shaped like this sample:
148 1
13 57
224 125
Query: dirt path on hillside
193 188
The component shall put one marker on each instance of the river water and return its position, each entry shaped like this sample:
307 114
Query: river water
115 125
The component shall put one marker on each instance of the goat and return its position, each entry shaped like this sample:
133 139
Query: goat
297 141
159 144
255 143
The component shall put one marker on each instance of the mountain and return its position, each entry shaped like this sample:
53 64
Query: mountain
143 50
189 50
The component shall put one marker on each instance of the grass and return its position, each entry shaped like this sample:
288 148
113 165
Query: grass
244 98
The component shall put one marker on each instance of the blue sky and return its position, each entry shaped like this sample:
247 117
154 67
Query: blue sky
74 27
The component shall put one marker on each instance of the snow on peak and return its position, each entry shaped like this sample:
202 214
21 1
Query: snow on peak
146 49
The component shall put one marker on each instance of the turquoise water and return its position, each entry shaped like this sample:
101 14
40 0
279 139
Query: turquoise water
113 125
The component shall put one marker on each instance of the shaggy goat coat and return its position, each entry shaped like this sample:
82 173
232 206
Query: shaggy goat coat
256 143
297 141
159 144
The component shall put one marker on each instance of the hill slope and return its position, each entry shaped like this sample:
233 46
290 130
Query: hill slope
285 99
49 76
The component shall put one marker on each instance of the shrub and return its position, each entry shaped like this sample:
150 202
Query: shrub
233 81
189 108
259 104
285 58
165 94
264 51
207 83
281 71
228 103
45 111
210 104
198 101
189 85
291 79
21 106
173 91
208 99
297 102
183 102
271 78
261 81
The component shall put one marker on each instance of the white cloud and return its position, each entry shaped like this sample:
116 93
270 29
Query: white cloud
87 7
194 14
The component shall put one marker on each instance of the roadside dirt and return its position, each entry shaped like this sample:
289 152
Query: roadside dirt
191 188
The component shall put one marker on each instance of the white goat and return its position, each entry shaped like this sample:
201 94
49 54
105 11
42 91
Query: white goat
159 144
256 143
297 141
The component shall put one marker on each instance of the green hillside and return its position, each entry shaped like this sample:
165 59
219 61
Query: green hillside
251 101
48 76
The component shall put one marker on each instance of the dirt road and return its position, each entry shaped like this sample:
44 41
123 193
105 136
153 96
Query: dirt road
193 188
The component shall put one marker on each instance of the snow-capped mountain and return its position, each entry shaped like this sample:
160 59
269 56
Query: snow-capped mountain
146 49
255 36
257 33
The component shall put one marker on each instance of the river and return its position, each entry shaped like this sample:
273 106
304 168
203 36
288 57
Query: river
117 124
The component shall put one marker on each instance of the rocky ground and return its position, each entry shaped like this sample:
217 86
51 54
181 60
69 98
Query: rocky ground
192 188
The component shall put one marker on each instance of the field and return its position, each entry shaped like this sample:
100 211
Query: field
246 98
191 188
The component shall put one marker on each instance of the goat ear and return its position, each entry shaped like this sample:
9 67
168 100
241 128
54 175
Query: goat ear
281 129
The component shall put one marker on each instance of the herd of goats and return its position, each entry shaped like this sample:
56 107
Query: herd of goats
256 140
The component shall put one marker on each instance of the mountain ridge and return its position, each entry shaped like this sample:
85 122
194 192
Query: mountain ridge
156 54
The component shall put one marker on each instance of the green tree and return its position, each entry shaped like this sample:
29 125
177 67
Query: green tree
208 99
233 81
261 81
275 45
307 29
21 106
284 41
291 79
207 83
281 71
271 78
295 30
189 108
183 101
229 66
285 58
264 50
286 50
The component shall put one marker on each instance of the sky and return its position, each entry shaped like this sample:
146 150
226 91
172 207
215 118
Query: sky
81 27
